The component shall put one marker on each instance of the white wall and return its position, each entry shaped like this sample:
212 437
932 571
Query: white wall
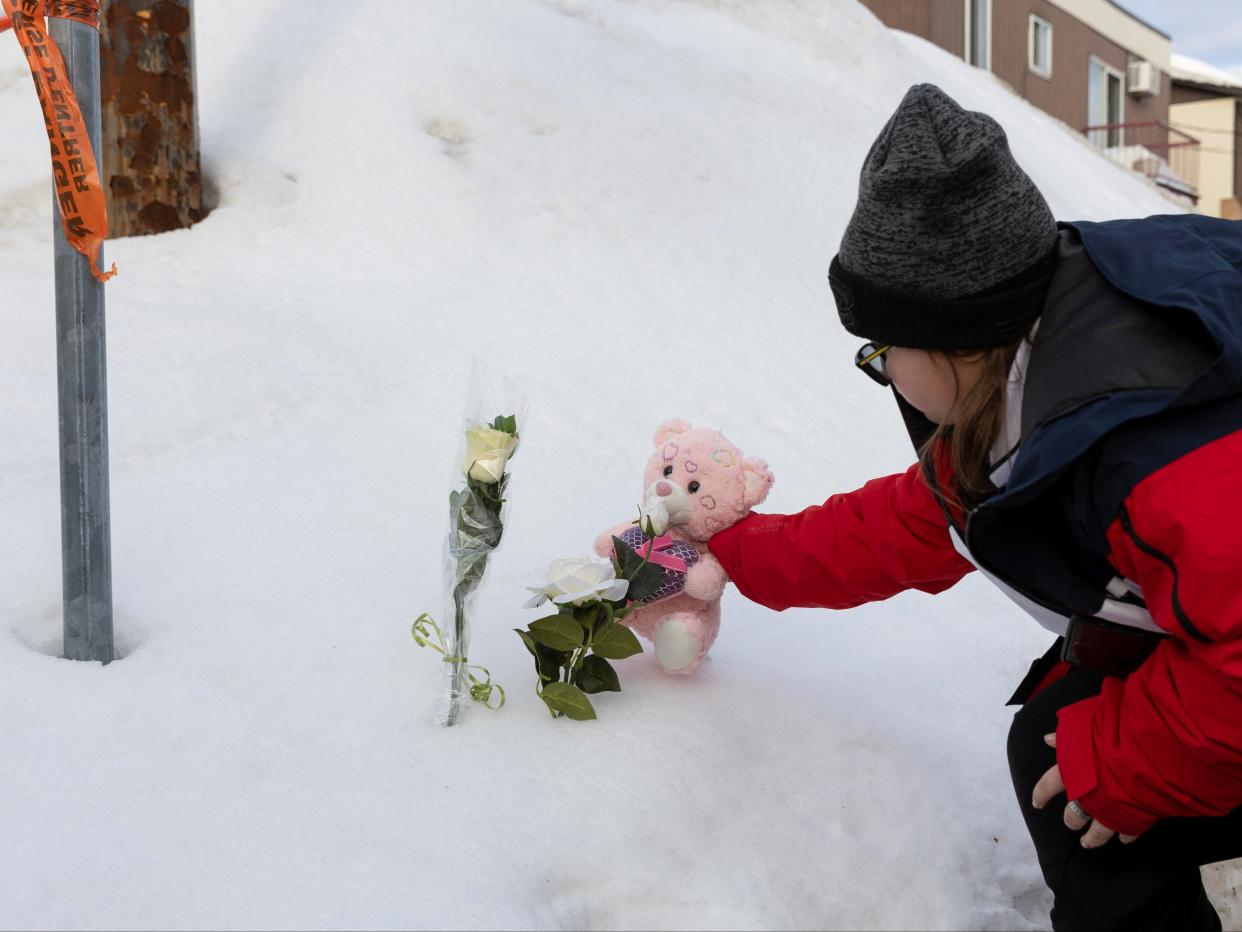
1213 123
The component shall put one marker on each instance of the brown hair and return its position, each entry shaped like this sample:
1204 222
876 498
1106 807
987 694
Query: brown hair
967 443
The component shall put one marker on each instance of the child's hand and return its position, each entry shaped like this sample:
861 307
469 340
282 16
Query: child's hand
1076 818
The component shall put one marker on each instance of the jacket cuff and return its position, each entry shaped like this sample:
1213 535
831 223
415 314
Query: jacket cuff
724 546
1081 774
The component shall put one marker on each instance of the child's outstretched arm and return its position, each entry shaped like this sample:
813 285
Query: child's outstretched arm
857 547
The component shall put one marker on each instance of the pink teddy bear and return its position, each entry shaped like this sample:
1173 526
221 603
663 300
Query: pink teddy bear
697 483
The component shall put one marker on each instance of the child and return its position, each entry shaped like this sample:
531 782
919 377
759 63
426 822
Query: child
1075 393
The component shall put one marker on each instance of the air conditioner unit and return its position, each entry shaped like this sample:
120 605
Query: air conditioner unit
1143 79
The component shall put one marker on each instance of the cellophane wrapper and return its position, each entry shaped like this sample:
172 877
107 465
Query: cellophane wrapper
478 513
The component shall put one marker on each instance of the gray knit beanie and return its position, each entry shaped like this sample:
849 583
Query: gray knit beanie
951 245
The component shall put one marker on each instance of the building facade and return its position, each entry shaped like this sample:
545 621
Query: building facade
1090 63
1207 104
1070 58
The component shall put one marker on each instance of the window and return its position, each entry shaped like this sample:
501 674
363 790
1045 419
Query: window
979 33
1105 103
1040 47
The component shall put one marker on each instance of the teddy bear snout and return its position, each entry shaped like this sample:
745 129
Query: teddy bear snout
667 504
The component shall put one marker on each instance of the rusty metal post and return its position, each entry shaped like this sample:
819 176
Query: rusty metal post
86 542
150 166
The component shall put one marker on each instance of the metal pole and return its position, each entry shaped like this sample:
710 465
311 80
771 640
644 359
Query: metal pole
86 547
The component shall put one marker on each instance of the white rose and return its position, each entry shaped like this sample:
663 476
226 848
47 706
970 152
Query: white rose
487 453
580 580
667 504
654 516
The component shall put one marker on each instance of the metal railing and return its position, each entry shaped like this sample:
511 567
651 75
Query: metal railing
1166 155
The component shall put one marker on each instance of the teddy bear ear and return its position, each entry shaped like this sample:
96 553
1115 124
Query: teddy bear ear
759 480
670 429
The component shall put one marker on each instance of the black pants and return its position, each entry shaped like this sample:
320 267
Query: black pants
1151 883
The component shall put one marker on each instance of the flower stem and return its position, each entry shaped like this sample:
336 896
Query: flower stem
459 630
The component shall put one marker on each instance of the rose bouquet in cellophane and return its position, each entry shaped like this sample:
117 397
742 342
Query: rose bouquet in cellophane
478 509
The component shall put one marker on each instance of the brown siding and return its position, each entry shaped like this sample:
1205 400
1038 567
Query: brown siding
1064 96
1156 107
1188 95
949 26
1237 150
946 26
907 15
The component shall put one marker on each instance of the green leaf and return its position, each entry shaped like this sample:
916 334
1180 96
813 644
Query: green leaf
616 642
597 676
628 560
607 616
568 700
645 582
586 616
548 662
507 423
559 632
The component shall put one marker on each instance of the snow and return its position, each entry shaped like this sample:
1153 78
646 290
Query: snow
1185 68
630 208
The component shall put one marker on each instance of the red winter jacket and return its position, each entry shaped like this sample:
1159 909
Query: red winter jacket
1167 740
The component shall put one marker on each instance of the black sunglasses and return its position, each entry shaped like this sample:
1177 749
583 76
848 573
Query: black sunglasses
870 359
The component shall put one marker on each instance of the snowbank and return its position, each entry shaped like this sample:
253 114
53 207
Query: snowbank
631 208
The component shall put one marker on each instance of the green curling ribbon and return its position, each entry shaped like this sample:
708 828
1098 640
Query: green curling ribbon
424 629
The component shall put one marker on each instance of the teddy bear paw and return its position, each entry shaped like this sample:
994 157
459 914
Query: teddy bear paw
704 582
679 643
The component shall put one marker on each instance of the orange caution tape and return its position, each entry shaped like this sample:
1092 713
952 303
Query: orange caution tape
79 197
84 11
